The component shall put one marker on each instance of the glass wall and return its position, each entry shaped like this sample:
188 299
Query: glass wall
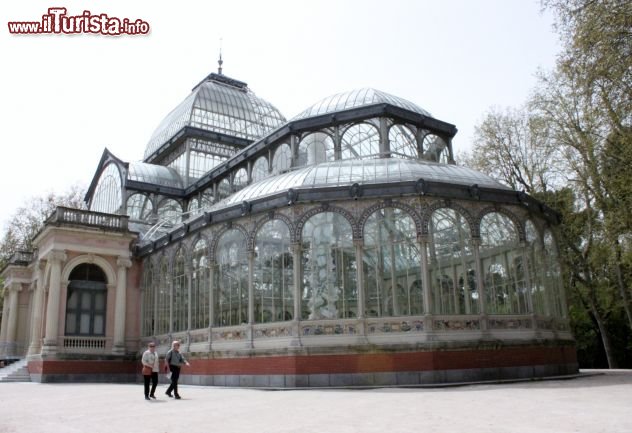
139 207
535 264
149 299
315 148
163 301
200 286
503 266
273 274
231 279
451 264
553 277
180 304
402 142
360 141
329 268
282 159
260 169
392 265
170 212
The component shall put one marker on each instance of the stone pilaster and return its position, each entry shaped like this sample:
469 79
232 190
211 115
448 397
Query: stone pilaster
37 314
55 258
120 305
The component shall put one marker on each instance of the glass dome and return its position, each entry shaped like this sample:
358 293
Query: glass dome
358 98
373 171
219 104
154 174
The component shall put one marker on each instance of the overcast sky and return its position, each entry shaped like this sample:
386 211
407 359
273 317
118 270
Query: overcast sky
64 98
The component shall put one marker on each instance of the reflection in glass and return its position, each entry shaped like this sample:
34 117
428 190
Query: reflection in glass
149 299
329 268
435 149
273 284
231 285
553 277
392 265
451 264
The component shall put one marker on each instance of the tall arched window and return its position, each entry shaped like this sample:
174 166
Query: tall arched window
273 283
392 265
535 266
223 189
139 207
282 159
149 299
231 285
360 141
315 148
108 192
260 169
451 264
329 268
200 286
435 149
180 304
163 303
553 276
193 208
86 301
503 266
170 212
402 142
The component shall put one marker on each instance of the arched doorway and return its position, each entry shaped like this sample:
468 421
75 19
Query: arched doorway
86 303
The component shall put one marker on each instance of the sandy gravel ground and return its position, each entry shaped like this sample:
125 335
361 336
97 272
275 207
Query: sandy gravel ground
591 403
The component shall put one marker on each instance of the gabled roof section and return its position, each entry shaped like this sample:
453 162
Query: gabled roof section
106 158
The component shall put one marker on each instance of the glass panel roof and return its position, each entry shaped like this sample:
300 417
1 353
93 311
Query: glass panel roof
154 174
219 107
362 171
358 98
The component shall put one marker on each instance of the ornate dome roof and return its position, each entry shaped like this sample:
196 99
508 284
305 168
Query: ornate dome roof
218 104
358 98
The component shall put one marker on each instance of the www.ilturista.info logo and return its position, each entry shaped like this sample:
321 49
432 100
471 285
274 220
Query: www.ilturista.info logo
56 21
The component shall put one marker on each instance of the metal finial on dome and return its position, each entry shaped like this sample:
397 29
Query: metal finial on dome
220 61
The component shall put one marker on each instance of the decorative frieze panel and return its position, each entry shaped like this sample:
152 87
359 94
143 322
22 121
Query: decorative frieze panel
199 337
386 327
329 329
456 325
273 332
229 335
509 323
545 324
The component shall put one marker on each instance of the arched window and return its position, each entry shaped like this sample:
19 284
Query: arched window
240 179
402 142
231 285
86 301
139 207
108 192
392 265
553 276
360 141
260 169
273 283
200 286
451 264
207 199
170 212
329 268
503 266
180 304
282 159
223 189
194 207
315 148
163 303
149 299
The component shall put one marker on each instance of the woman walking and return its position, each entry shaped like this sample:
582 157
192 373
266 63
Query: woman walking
173 362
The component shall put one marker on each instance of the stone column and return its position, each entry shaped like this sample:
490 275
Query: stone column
55 258
296 263
120 305
38 309
12 322
5 317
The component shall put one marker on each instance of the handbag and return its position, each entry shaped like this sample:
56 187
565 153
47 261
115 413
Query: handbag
147 370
